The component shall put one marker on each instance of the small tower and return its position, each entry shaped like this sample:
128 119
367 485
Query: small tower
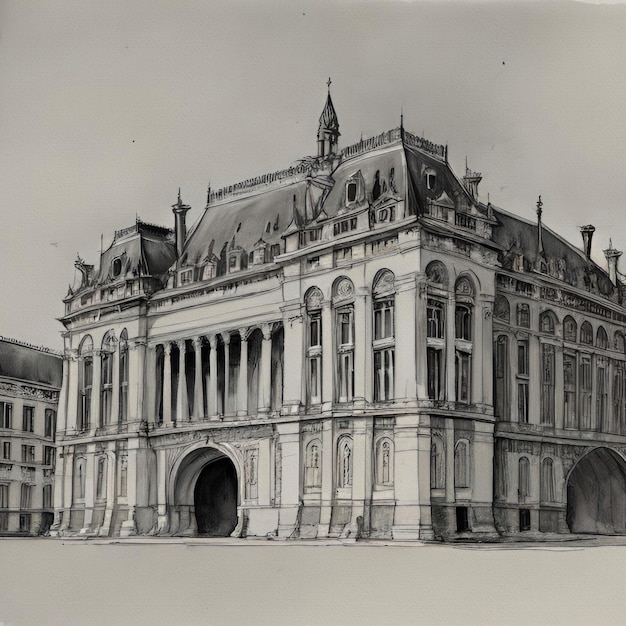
328 131
180 211
587 233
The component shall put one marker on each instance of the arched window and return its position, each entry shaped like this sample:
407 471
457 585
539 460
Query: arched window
570 329
619 344
548 383
602 339
384 462
313 467
106 377
437 464
384 335
79 478
313 301
343 302
547 480
123 377
437 274
101 478
546 323
461 464
586 334
523 479
85 383
344 456
523 315
502 309
47 496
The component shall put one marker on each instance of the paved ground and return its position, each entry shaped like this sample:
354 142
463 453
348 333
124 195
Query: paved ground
224 581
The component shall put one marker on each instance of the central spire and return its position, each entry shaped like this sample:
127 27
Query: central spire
328 130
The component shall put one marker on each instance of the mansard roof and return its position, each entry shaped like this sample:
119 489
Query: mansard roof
143 249
28 363
564 261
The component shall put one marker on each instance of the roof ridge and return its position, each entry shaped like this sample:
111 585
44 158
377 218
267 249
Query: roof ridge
32 346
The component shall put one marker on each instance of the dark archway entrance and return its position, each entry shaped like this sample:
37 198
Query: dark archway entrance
215 499
596 494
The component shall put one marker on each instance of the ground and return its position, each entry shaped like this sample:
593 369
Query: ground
146 581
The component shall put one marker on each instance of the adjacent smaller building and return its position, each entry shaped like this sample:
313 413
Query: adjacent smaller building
30 380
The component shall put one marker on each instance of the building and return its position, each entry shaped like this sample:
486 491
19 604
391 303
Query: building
355 346
30 381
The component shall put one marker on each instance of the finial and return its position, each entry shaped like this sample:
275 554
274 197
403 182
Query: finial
539 205
401 117
610 244
488 199
329 82
179 201
208 193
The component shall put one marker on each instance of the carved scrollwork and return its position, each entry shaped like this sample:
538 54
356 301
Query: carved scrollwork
344 289
313 300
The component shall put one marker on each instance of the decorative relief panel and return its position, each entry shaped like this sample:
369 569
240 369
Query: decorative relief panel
217 435
28 392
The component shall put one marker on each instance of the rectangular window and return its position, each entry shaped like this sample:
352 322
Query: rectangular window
619 396
463 322
85 406
4 496
383 319
6 450
463 376
28 419
26 496
4 521
435 319
28 454
6 415
501 363
569 391
547 384
601 397
47 496
25 522
49 426
314 358
434 358
345 355
522 381
585 392
48 455
524 519
383 374
462 519
106 396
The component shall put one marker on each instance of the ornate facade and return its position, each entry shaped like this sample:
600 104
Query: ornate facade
354 346
30 381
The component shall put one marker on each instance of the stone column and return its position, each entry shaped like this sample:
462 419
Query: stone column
182 406
265 378
68 485
559 416
451 350
242 384
328 356
481 370
95 389
212 389
450 486
511 380
63 397
110 491
115 382
328 487
595 422
89 488
167 384
227 404
138 379
162 521
421 331
534 382
481 477
293 358
406 350
289 434
198 395
72 419
362 350
132 497
150 389
423 479
361 473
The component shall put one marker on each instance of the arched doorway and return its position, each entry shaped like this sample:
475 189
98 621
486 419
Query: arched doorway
596 494
205 494
215 499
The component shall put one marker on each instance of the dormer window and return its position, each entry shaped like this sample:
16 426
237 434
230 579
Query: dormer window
351 192
431 179
236 260
185 277
209 271
116 267
355 186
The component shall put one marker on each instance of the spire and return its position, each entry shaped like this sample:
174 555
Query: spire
328 130
540 250
180 211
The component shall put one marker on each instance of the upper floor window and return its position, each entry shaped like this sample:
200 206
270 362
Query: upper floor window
384 340
435 319
463 322
570 329
586 334
602 339
313 300
186 276
501 309
355 189
547 480
344 330
6 415
523 479
569 390
116 267
523 372
618 343
50 423
28 419
123 377
85 383
431 179
546 323
501 375
523 315
351 191
106 390
547 383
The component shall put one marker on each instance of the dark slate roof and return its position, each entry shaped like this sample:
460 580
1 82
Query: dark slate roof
328 119
145 250
518 236
30 364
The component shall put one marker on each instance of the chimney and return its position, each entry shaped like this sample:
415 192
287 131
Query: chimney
612 257
587 233
180 211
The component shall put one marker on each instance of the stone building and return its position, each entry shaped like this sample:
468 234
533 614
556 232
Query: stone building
30 381
353 346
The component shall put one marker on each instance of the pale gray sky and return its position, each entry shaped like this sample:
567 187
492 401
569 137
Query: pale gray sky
106 108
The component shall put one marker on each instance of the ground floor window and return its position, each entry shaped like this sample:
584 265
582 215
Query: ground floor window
462 519
524 519
25 522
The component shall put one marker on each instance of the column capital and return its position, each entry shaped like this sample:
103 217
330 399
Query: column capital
167 348
212 341
136 342
266 329
182 344
226 338
197 343
244 333
71 354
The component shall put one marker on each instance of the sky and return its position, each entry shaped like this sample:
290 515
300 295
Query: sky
107 108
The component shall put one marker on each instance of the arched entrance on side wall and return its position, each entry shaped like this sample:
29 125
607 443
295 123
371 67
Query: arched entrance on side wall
206 494
596 494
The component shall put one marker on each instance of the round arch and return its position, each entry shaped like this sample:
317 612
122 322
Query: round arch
596 493
205 491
